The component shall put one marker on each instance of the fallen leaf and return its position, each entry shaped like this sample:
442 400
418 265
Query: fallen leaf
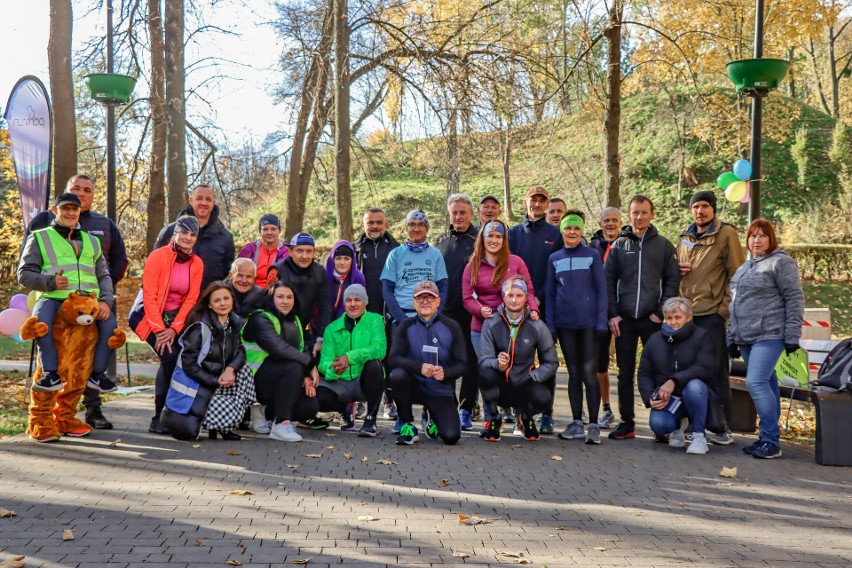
196 445
240 492
728 472
331 447
302 560
556 458
13 562
312 455
561 529
349 455
199 542
292 466
517 446
523 561
216 489
385 461
330 435
234 453
114 443
241 545
68 534
600 548
367 518
7 513
442 482
365 459
460 554
465 520
510 554
233 563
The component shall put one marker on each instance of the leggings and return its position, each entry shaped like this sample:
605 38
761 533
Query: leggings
531 397
372 384
443 409
580 351
280 385
168 362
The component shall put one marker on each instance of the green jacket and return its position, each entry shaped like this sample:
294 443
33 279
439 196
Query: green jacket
364 343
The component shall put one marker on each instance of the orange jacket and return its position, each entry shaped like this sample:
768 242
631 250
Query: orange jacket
155 287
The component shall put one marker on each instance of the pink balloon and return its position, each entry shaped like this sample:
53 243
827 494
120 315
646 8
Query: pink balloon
19 302
745 198
11 320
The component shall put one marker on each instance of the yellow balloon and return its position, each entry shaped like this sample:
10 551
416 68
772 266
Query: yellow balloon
32 297
736 191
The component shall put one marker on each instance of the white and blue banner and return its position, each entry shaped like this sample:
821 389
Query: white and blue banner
28 117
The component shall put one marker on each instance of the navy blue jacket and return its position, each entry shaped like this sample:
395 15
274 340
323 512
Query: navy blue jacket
414 343
576 289
534 242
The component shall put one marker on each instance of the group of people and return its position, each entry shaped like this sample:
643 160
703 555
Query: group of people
275 338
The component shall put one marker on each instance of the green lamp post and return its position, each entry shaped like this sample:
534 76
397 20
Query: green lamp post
755 78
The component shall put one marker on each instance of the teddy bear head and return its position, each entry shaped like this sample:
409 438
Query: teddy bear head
80 307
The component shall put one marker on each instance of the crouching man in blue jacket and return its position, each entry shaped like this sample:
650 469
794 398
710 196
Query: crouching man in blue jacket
427 356
508 375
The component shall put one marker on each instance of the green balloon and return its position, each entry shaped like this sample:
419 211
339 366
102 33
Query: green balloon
726 179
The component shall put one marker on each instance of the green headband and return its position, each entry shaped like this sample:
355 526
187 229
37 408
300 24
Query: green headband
572 220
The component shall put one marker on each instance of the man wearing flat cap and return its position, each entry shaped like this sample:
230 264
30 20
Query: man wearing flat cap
59 260
709 253
267 250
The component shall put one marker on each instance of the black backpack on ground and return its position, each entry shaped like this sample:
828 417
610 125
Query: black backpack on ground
834 373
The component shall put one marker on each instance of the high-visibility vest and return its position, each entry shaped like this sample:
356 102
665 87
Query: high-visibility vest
59 253
255 356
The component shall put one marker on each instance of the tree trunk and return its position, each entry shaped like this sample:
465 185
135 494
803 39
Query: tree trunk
453 149
62 93
815 66
612 171
832 73
342 125
307 103
175 108
505 156
791 77
159 131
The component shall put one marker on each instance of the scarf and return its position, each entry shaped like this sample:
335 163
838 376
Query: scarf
416 247
182 257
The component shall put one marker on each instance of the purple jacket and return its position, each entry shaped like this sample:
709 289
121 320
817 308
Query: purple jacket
250 251
355 276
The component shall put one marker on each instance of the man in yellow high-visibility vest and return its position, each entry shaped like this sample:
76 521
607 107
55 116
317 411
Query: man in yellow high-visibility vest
59 260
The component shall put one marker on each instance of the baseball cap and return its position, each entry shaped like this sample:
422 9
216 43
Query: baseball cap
302 239
426 287
67 199
487 197
538 190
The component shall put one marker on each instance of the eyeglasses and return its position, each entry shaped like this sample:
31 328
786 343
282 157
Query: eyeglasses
425 298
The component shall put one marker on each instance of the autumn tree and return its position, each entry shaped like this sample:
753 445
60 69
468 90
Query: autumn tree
62 93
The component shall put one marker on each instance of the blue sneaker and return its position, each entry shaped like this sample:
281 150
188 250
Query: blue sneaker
464 418
408 435
766 451
546 424
397 427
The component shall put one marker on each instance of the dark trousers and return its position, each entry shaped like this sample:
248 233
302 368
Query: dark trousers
579 347
714 325
280 385
168 362
469 390
531 397
626 345
372 384
443 409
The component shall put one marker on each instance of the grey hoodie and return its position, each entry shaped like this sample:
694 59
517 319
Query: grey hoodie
767 301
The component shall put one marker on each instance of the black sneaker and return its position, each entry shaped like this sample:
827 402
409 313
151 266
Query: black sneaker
156 428
528 427
751 447
96 419
624 431
369 429
348 418
314 424
492 429
101 382
49 382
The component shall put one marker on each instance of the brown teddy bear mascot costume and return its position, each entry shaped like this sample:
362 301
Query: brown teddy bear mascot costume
53 413
72 323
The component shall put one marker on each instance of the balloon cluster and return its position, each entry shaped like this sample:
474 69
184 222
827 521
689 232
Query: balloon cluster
735 183
12 318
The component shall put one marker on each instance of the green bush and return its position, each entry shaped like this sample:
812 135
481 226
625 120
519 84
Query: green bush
824 262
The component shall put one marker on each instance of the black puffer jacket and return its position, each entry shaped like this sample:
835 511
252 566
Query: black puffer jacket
685 356
641 274
226 350
246 303
279 347
215 246
370 257
311 286
456 248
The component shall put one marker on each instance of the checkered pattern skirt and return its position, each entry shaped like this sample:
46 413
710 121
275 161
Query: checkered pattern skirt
228 405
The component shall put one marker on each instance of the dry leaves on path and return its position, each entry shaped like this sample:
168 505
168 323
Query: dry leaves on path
312 455
199 542
302 560
728 472
443 482
349 455
7 513
556 458
234 453
240 492
469 520
233 563
114 443
330 435
385 461
367 518
460 554
518 557
292 465
14 562
365 459
68 534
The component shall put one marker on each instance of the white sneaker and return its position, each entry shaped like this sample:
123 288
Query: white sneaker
676 439
259 423
698 445
285 432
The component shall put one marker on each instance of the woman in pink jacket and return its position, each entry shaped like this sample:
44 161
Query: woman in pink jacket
490 265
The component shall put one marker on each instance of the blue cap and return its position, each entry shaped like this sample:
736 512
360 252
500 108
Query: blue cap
302 239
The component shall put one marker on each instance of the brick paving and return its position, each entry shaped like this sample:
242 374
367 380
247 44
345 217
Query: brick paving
137 499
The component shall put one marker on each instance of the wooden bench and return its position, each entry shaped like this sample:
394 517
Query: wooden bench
833 416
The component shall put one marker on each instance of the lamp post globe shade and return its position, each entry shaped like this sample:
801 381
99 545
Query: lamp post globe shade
757 74
110 88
